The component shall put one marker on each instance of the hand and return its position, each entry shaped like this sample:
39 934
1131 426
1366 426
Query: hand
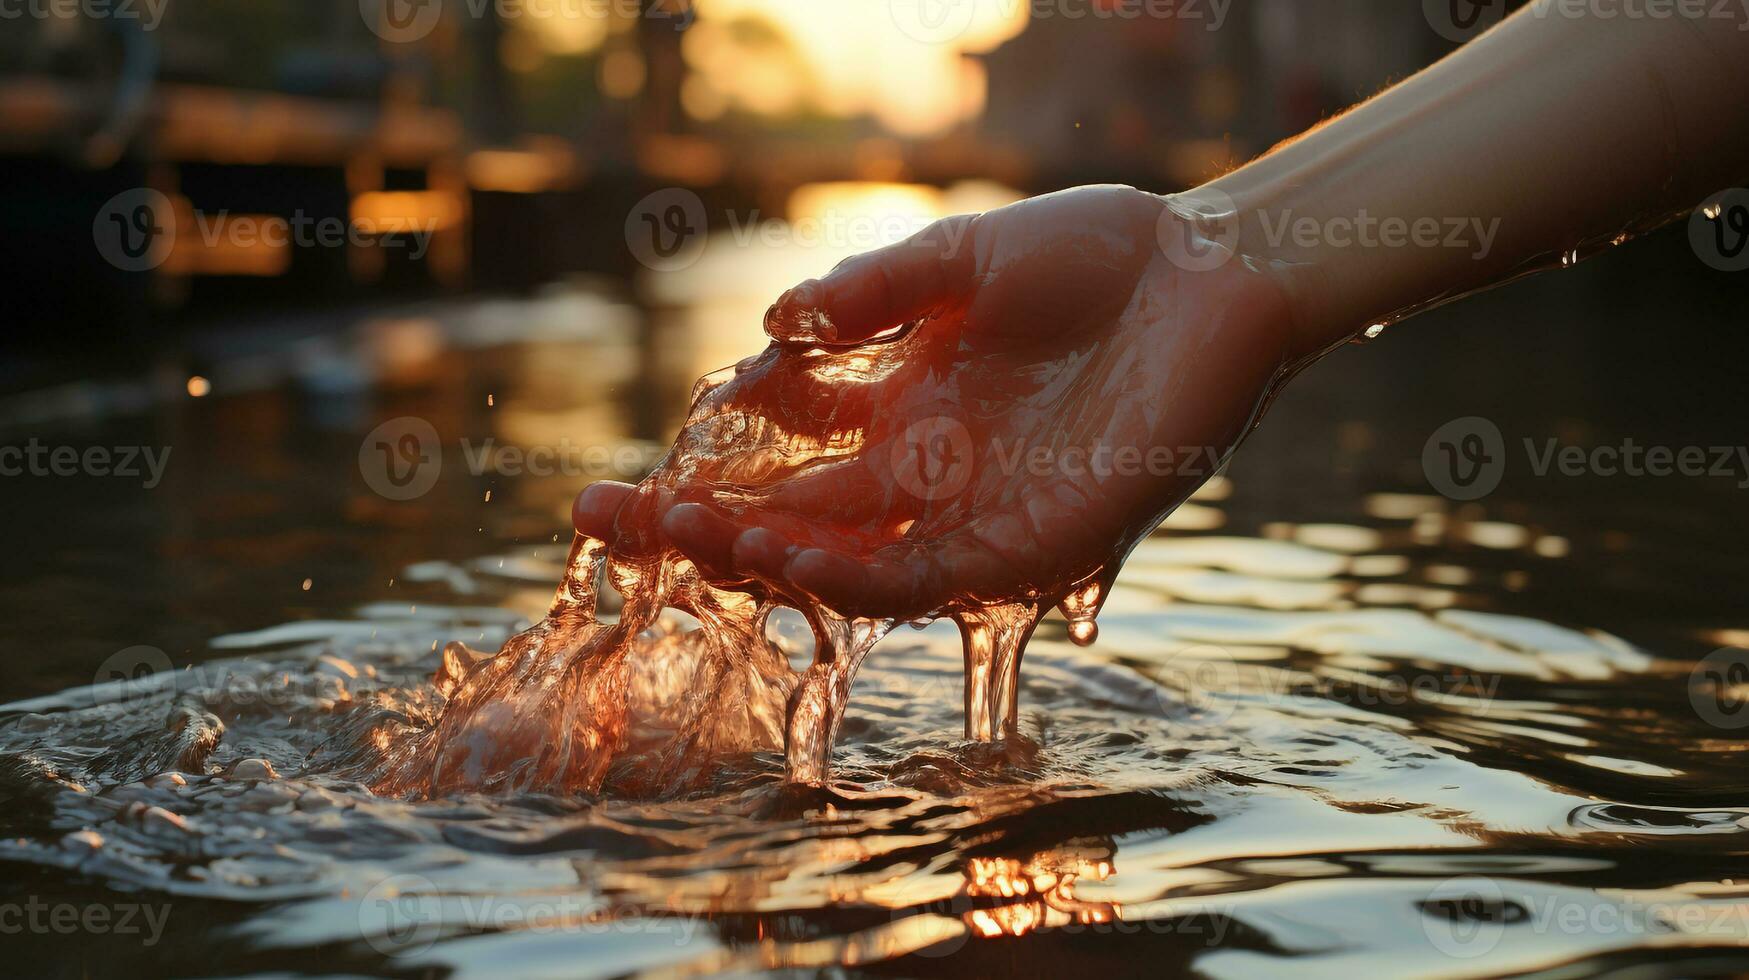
995 409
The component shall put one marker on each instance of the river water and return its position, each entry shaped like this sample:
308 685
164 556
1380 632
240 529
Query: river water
1334 722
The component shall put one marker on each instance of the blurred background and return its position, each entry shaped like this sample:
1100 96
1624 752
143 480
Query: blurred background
517 134
530 224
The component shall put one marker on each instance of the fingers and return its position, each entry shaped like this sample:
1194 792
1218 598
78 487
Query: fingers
835 579
724 548
901 581
876 291
907 579
850 492
703 535
762 553
974 571
728 550
622 516
593 511
988 562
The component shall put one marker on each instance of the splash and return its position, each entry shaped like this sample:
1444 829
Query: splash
552 711
554 708
575 697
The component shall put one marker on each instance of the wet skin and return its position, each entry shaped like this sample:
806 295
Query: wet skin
995 410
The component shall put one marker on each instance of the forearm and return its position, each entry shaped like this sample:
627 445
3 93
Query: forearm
1546 135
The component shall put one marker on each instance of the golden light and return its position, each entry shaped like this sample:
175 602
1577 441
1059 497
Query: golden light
521 52
199 387
622 73
724 295
405 212
227 244
869 204
542 166
846 59
564 32
1040 892
701 99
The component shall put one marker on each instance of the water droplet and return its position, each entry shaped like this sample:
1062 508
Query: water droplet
1081 607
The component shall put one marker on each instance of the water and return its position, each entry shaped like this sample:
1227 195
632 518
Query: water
815 445
1331 723
1275 751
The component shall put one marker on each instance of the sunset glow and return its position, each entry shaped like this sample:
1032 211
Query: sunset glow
844 59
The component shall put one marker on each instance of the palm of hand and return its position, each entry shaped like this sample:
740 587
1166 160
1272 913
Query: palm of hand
1054 387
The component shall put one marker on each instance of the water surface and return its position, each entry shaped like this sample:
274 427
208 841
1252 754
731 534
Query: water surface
1333 722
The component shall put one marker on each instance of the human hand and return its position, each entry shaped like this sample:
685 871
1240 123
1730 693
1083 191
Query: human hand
995 410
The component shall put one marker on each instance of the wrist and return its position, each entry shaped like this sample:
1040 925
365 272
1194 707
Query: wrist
1230 226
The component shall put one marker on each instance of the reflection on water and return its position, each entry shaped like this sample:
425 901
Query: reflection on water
1379 734
1254 764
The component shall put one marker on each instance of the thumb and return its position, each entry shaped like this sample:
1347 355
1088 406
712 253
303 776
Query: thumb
871 293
